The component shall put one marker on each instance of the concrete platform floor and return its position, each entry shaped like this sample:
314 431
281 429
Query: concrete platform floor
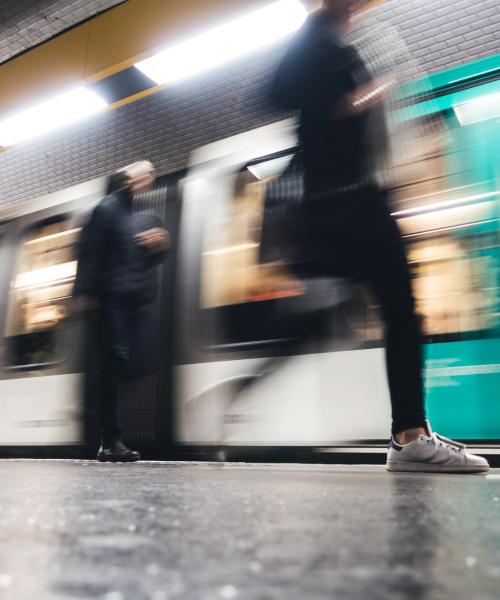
161 531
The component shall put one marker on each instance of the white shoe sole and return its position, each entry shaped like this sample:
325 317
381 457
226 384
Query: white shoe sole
415 467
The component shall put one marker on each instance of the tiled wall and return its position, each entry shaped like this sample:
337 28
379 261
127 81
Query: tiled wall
26 23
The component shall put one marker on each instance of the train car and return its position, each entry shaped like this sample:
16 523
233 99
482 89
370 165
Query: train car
252 356
47 358
247 375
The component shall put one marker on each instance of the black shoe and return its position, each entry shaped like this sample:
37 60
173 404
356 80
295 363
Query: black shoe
116 451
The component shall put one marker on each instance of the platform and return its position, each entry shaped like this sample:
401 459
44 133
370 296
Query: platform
190 531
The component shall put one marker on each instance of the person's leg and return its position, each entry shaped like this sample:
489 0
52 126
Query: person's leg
353 235
403 347
414 446
115 334
387 273
115 331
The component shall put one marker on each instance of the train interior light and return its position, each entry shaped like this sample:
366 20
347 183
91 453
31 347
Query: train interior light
47 275
479 109
270 168
445 204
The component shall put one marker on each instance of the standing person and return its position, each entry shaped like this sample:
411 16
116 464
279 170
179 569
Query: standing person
347 224
116 279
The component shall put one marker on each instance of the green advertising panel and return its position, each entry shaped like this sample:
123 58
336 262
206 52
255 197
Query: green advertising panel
462 388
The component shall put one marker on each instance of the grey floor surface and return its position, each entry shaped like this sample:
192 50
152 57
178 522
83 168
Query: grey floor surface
161 531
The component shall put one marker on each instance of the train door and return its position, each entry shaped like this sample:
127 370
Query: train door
254 368
147 410
40 372
237 316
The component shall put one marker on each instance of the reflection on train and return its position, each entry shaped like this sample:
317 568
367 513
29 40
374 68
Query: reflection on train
252 354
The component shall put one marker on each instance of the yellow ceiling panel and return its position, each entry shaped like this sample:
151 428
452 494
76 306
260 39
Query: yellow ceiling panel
56 65
110 43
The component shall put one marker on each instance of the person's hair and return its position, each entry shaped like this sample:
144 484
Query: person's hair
333 4
116 181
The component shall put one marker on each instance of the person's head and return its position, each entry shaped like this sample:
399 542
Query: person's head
340 11
139 176
116 182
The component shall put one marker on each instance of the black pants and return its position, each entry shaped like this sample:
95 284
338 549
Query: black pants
119 326
353 235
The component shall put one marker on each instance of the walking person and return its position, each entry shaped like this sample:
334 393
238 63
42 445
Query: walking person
116 279
346 222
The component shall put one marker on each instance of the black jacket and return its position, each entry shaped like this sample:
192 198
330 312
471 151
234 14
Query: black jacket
316 72
109 259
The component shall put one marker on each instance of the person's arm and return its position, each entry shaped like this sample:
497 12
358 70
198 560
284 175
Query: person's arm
365 97
90 252
157 242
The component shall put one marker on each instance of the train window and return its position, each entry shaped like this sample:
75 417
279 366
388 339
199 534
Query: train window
241 298
456 283
251 297
231 269
448 214
40 290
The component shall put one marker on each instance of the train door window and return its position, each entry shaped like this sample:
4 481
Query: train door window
40 290
240 297
246 297
448 214
456 283
232 271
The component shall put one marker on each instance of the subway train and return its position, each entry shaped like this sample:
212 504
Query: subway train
255 360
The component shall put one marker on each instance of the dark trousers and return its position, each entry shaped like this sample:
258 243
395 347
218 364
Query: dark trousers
352 234
117 322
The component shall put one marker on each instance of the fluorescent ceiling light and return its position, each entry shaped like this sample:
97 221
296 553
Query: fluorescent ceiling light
50 115
479 109
225 43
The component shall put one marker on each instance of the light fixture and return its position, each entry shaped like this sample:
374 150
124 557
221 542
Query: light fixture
231 249
478 109
449 228
225 43
46 276
66 108
270 168
426 208
52 236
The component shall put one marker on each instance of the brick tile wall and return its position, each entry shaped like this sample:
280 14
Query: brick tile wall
26 23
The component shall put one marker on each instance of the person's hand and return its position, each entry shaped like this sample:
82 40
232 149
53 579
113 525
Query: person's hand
155 240
364 97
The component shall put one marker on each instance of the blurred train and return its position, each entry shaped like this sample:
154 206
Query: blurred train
237 371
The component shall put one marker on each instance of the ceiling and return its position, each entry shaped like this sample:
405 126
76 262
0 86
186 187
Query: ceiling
26 23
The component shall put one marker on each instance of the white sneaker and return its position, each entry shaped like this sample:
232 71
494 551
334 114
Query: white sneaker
434 453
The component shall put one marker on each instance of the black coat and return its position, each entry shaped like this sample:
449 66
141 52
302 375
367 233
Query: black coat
318 70
110 261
